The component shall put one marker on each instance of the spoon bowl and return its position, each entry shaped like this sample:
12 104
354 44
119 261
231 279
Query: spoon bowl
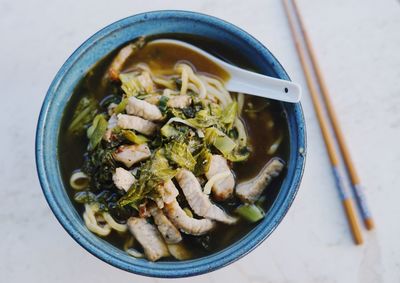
241 80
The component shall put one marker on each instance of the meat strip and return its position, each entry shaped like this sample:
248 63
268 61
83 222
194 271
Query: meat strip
250 191
149 237
136 123
143 109
123 179
199 201
122 56
222 189
186 223
131 154
169 232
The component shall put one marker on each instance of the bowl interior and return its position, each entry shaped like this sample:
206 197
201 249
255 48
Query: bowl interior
60 92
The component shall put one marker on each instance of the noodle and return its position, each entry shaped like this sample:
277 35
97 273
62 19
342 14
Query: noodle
163 82
186 70
213 180
242 135
113 224
222 92
185 81
91 222
218 86
79 180
193 88
157 79
216 94
134 253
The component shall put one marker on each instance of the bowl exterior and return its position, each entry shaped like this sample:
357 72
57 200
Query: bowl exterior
61 89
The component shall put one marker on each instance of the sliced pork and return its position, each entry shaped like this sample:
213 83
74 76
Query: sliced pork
123 179
136 123
122 56
250 191
199 201
222 188
131 154
168 192
179 101
149 237
143 109
169 232
186 223
174 101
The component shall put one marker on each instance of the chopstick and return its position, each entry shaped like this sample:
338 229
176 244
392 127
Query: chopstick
329 143
351 170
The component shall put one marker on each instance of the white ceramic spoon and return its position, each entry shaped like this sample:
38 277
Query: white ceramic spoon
245 81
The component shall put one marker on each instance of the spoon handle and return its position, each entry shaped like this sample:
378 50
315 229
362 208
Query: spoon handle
259 85
248 82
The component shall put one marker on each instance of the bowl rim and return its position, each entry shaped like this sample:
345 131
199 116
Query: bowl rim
173 269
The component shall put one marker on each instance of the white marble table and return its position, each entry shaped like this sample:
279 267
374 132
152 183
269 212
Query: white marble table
358 44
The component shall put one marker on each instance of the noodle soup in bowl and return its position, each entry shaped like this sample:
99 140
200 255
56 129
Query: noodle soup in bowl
150 164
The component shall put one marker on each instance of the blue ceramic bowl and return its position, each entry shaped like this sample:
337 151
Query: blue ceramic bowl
61 89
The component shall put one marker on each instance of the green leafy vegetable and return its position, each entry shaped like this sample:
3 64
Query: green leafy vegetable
195 143
84 113
250 212
96 131
121 106
179 153
220 140
156 142
214 116
175 112
100 165
203 119
224 144
229 114
182 121
215 109
135 138
202 162
155 172
162 103
130 84
169 131
189 112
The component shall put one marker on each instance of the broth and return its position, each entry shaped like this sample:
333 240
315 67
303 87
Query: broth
264 128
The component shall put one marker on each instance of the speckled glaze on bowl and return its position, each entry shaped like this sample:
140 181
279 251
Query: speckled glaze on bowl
60 91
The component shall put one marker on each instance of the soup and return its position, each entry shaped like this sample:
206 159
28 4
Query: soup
161 160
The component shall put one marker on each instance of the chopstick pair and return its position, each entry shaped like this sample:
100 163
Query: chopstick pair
328 138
